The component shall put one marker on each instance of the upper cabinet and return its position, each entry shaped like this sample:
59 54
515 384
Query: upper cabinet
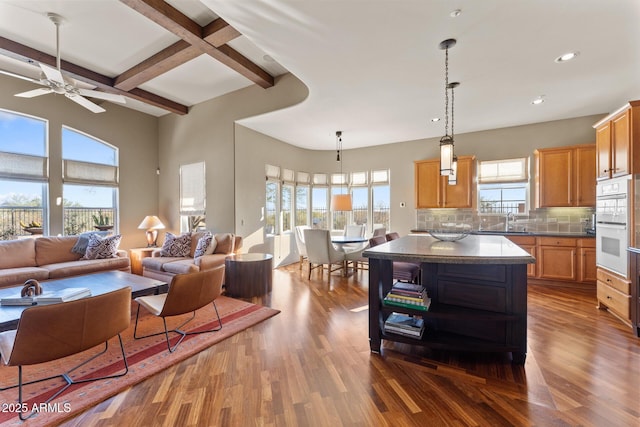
433 191
616 135
565 176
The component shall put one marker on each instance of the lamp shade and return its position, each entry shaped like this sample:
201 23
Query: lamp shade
453 177
151 222
446 155
341 202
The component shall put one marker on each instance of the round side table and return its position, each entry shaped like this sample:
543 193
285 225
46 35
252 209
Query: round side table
248 275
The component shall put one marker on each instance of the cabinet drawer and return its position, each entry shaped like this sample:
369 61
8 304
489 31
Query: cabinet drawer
614 300
589 242
523 240
557 241
614 281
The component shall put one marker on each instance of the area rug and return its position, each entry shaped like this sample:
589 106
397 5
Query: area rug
146 357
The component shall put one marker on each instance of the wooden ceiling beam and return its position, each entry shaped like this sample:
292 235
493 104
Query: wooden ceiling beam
179 24
163 61
106 84
217 33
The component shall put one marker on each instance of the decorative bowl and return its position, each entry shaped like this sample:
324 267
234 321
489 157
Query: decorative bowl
451 232
33 230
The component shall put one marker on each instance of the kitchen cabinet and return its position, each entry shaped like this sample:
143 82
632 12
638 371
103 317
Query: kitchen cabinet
557 258
565 176
433 190
528 243
616 137
587 261
614 294
560 258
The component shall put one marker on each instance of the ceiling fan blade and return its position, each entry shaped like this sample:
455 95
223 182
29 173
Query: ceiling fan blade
85 102
103 95
34 93
52 74
20 76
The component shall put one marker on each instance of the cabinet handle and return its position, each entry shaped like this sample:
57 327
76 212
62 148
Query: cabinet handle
608 297
608 280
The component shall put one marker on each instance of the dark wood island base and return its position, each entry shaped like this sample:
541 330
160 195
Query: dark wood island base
478 303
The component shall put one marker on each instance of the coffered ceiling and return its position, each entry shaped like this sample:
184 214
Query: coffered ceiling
373 67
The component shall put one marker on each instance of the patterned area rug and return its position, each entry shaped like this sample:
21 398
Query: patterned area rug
146 357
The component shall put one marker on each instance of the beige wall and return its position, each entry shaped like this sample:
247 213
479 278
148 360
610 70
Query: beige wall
253 150
207 134
135 134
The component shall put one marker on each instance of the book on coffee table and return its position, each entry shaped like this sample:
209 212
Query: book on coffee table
48 297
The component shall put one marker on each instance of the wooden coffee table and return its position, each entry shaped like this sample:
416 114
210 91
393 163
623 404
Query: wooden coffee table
99 283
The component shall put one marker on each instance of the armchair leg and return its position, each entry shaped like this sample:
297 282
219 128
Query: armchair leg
67 378
178 329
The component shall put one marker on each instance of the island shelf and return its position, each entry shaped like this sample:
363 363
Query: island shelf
478 291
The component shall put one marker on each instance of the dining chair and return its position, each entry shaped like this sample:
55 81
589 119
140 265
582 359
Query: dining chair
320 251
379 231
187 294
50 332
405 271
392 236
302 248
354 230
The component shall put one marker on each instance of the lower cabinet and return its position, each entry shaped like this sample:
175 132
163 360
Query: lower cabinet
614 294
567 259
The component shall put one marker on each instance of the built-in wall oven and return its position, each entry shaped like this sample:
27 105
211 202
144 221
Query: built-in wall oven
613 204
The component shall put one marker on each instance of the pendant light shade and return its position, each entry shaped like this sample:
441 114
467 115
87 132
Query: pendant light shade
453 176
340 202
446 142
446 155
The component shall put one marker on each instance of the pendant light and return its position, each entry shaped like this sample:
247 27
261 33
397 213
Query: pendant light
446 142
340 202
453 176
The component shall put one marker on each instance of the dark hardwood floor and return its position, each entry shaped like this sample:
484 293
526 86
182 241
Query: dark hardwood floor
311 366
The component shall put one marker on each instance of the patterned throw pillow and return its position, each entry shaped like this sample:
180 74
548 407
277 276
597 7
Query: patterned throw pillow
203 245
101 248
176 246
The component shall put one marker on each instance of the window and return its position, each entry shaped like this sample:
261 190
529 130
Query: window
359 197
503 186
90 182
271 208
23 175
302 198
286 207
319 211
381 198
192 196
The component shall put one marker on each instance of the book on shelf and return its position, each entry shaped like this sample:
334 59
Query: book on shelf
404 324
47 297
423 304
405 286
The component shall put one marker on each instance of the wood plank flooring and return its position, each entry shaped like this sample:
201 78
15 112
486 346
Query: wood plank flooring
311 366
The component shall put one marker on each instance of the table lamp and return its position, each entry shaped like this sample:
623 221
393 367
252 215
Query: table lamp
152 224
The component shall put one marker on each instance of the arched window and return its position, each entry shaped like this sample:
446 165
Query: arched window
90 188
23 175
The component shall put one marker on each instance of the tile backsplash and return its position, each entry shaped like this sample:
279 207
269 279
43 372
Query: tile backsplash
548 220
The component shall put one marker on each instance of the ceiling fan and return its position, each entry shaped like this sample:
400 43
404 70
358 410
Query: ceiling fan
55 82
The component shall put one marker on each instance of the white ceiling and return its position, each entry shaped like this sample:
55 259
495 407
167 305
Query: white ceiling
373 68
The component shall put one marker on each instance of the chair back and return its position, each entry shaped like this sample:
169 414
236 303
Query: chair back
392 236
377 240
379 231
320 250
50 332
354 230
191 291
300 243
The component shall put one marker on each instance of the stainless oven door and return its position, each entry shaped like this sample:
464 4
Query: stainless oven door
612 241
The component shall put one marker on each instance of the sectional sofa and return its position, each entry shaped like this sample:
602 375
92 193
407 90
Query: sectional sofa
165 267
46 258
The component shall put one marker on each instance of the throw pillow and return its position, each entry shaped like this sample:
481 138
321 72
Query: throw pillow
83 240
203 245
101 248
176 246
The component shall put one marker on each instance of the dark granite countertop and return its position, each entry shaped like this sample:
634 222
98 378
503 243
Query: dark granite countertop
520 233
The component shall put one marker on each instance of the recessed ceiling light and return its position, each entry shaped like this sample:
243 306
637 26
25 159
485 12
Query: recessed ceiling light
539 100
435 119
567 56
456 13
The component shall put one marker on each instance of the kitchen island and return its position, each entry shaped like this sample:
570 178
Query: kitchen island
478 291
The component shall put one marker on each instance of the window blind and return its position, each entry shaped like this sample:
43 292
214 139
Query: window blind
23 166
192 189
89 173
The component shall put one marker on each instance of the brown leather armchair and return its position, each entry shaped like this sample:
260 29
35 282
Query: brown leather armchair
187 293
51 332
